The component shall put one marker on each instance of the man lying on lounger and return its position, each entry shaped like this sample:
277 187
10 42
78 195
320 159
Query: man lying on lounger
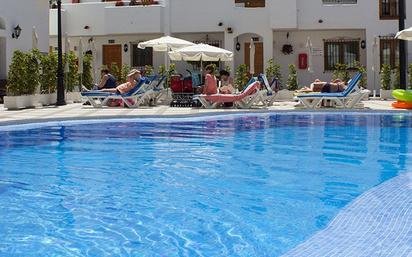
132 79
334 86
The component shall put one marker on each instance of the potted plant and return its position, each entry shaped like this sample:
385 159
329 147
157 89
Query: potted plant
87 77
124 72
48 79
148 70
287 49
241 76
410 75
22 81
364 80
386 81
292 85
72 79
341 72
273 71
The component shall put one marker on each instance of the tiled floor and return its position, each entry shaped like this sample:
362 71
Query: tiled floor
378 223
77 111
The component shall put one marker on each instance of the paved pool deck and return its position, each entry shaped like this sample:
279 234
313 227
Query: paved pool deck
376 224
78 111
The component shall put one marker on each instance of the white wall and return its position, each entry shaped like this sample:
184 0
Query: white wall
26 14
158 58
298 40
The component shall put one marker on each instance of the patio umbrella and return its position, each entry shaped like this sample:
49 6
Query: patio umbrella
164 44
201 52
252 52
405 34
35 39
309 47
80 58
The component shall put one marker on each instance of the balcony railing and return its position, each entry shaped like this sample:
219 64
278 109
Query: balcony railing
336 2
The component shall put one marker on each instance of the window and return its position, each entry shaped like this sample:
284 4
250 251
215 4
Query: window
250 3
388 9
330 2
142 57
341 51
389 51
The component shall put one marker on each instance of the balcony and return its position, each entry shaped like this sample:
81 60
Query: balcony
108 19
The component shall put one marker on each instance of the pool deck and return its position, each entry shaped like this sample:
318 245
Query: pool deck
77 111
378 223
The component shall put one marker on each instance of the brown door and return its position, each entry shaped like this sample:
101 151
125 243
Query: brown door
112 54
258 57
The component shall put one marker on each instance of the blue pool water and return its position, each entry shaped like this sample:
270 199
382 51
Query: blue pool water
233 186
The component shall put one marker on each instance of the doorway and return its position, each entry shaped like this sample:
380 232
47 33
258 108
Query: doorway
112 54
259 65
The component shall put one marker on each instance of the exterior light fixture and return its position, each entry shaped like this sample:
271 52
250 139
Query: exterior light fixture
363 44
16 32
125 48
238 45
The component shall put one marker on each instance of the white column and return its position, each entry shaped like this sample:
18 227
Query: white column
229 44
267 47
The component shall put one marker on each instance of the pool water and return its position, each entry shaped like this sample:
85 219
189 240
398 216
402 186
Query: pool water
236 185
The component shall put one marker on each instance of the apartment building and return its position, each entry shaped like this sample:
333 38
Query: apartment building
17 19
338 31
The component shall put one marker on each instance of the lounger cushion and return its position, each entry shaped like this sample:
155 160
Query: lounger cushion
230 98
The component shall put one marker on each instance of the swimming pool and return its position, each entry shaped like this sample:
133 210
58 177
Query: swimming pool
235 185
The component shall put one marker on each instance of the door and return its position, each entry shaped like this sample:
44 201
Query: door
258 57
112 54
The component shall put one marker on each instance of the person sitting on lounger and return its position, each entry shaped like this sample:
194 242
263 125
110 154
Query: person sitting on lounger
210 86
226 83
132 79
107 81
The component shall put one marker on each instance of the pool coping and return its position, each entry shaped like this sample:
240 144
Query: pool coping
376 223
197 115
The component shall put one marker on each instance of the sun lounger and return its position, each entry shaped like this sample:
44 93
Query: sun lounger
133 98
349 98
243 100
269 95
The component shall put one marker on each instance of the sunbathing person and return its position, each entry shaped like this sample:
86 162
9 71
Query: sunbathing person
210 86
132 79
334 86
226 83
107 81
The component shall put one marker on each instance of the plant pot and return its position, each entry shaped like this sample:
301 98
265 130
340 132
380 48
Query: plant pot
73 97
43 99
52 98
386 94
285 95
19 102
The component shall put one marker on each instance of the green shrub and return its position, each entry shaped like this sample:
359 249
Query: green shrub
293 78
87 78
396 78
148 70
48 78
273 71
362 70
116 71
23 75
410 75
169 73
124 72
386 79
241 76
161 70
341 72
72 78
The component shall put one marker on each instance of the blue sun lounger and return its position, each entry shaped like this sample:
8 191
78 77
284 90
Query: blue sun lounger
349 98
131 99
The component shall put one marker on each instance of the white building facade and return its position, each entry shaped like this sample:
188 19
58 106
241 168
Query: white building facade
340 31
26 15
